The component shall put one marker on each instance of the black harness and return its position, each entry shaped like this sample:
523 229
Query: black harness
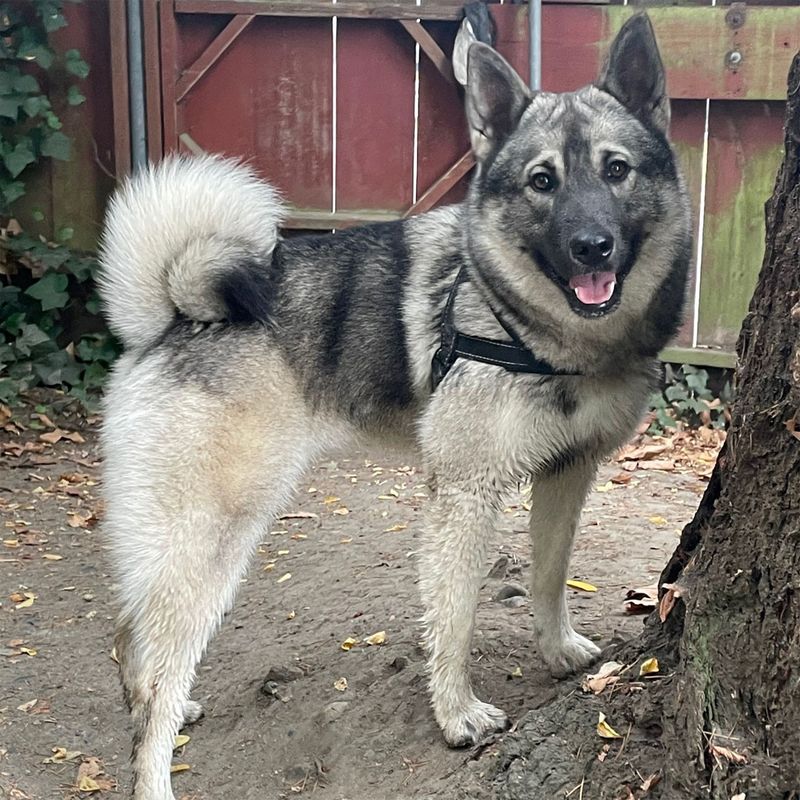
512 356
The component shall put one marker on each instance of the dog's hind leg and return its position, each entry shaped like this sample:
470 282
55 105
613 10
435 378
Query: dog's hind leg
189 496
556 503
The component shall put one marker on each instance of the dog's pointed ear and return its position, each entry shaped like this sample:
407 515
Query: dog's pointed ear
634 74
496 98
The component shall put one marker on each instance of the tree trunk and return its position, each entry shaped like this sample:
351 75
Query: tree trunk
726 724
738 563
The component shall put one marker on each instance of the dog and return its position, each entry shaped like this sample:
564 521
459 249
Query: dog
513 337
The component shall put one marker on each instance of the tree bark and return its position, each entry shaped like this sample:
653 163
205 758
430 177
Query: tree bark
738 564
726 723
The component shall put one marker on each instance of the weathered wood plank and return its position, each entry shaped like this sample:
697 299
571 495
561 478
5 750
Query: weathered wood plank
696 44
744 152
355 9
282 125
687 133
375 115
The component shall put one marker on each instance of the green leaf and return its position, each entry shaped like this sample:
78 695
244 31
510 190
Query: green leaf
35 105
49 290
26 84
74 96
32 335
57 145
65 233
12 190
7 77
52 18
53 122
10 105
34 51
38 215
75 64
19 157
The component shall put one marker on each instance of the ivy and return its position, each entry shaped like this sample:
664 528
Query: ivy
51 332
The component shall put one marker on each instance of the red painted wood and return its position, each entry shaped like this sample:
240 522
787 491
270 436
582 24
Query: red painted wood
269 99
152 77
512 36
375 115
443 136
118 36
169 74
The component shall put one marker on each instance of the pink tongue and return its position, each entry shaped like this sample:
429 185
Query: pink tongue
594 288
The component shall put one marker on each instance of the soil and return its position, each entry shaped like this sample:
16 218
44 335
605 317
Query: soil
288 711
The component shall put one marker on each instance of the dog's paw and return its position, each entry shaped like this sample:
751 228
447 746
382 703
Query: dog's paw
192 712
473 724
569 654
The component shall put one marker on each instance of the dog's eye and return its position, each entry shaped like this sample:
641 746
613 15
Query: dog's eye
617 170
542 182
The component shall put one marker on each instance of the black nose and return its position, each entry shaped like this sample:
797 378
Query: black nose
591 246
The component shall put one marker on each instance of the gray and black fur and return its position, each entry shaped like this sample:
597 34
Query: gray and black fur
248 356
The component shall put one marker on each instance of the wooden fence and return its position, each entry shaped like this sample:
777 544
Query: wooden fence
350 108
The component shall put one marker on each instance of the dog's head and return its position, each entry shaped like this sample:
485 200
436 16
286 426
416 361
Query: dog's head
572 185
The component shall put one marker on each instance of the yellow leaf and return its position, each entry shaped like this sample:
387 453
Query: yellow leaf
582 585
284 578
52 556
517 673
331 499
29 705
179 768
88 784
605 730
283 552
349 643
25 603
180 740
649 667
376 638
399 527
604 487
658 520
28 651
341 511
291 615
340 685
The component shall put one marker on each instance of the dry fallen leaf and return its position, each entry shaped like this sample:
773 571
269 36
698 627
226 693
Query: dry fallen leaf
658 520
340 685
649 667
349 643
399 527
341 511
376 638
582 585
61 754
517 672
791 426
87 784
29 705
179 768
52 557
650 781
622 478
724 752
285 577
331 499
642 600
180 740
607 674
605 730
667 603
604 487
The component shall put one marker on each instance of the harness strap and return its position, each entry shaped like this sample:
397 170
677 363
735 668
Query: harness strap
512 356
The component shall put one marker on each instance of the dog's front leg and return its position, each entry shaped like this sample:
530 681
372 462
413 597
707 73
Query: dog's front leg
556 503
451 562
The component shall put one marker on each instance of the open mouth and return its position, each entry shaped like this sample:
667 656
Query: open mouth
594 288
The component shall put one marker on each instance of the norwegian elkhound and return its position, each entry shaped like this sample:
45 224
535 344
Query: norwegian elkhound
513 335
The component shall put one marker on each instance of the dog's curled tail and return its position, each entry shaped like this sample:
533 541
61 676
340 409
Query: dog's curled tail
173 233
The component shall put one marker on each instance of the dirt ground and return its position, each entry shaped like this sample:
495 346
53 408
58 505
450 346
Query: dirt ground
288 710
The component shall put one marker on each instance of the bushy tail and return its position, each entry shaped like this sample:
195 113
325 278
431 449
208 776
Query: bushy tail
172 232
